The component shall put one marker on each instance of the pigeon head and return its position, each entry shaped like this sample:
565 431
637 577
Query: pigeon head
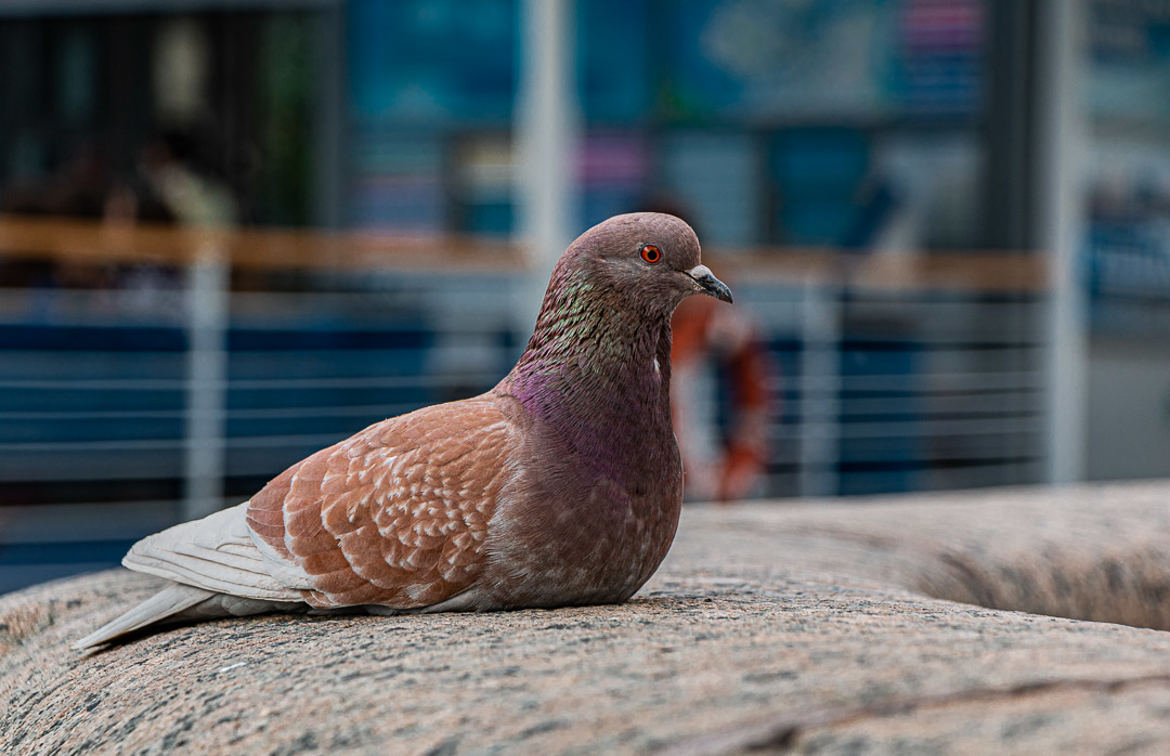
606 312
648 262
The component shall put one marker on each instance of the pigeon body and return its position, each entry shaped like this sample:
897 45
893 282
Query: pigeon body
560 486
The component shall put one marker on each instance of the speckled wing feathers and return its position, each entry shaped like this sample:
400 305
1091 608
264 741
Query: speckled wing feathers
396 515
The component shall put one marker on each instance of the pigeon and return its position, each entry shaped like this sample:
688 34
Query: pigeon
561 486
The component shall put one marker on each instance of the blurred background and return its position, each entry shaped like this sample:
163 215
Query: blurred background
235 231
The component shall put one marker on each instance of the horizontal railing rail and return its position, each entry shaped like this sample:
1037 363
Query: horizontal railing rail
284 249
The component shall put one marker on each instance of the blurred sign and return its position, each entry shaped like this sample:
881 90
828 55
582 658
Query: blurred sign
1129 77
436 62
769 59
1128 96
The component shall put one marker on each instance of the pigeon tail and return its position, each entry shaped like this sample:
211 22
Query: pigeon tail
177 603
166 603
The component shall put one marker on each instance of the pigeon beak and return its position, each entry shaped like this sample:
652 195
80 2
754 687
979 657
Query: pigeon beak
709 284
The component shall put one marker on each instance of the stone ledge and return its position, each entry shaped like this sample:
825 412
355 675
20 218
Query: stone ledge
819 628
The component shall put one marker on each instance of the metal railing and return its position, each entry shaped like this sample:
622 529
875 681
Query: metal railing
127 407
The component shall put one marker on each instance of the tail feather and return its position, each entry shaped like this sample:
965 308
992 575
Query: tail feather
172 600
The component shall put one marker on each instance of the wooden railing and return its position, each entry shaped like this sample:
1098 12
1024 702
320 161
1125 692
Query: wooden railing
77 241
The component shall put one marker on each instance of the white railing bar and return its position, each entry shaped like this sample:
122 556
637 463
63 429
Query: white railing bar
178 354
157 444
991 459
817 431
927 428
971 404
347 410
986 380
148 384
1005 402
867 430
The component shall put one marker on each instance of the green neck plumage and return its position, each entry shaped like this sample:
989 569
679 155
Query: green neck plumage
592 352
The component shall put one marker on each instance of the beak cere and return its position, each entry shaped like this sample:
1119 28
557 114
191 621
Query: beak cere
710 285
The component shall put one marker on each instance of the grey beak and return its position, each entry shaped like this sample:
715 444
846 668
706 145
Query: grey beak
711 285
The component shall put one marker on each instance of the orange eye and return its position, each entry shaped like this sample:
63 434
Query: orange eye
650 253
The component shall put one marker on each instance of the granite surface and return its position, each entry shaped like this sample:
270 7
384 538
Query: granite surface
880 626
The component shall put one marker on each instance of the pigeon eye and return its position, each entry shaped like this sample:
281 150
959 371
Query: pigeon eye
650 253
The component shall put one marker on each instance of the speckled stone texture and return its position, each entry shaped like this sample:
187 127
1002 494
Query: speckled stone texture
821 628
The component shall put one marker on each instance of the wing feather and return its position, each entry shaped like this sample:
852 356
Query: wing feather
216 553
397 514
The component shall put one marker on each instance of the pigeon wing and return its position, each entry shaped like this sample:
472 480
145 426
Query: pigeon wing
396 515
217 553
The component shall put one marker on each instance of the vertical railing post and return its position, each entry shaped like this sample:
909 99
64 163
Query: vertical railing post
546 149
820 384
207 302
1060 145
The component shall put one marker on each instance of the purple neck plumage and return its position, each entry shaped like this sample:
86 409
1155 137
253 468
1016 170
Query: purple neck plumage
596 370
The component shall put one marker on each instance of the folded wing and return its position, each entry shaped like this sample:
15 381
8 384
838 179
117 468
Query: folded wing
396 515
217 553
